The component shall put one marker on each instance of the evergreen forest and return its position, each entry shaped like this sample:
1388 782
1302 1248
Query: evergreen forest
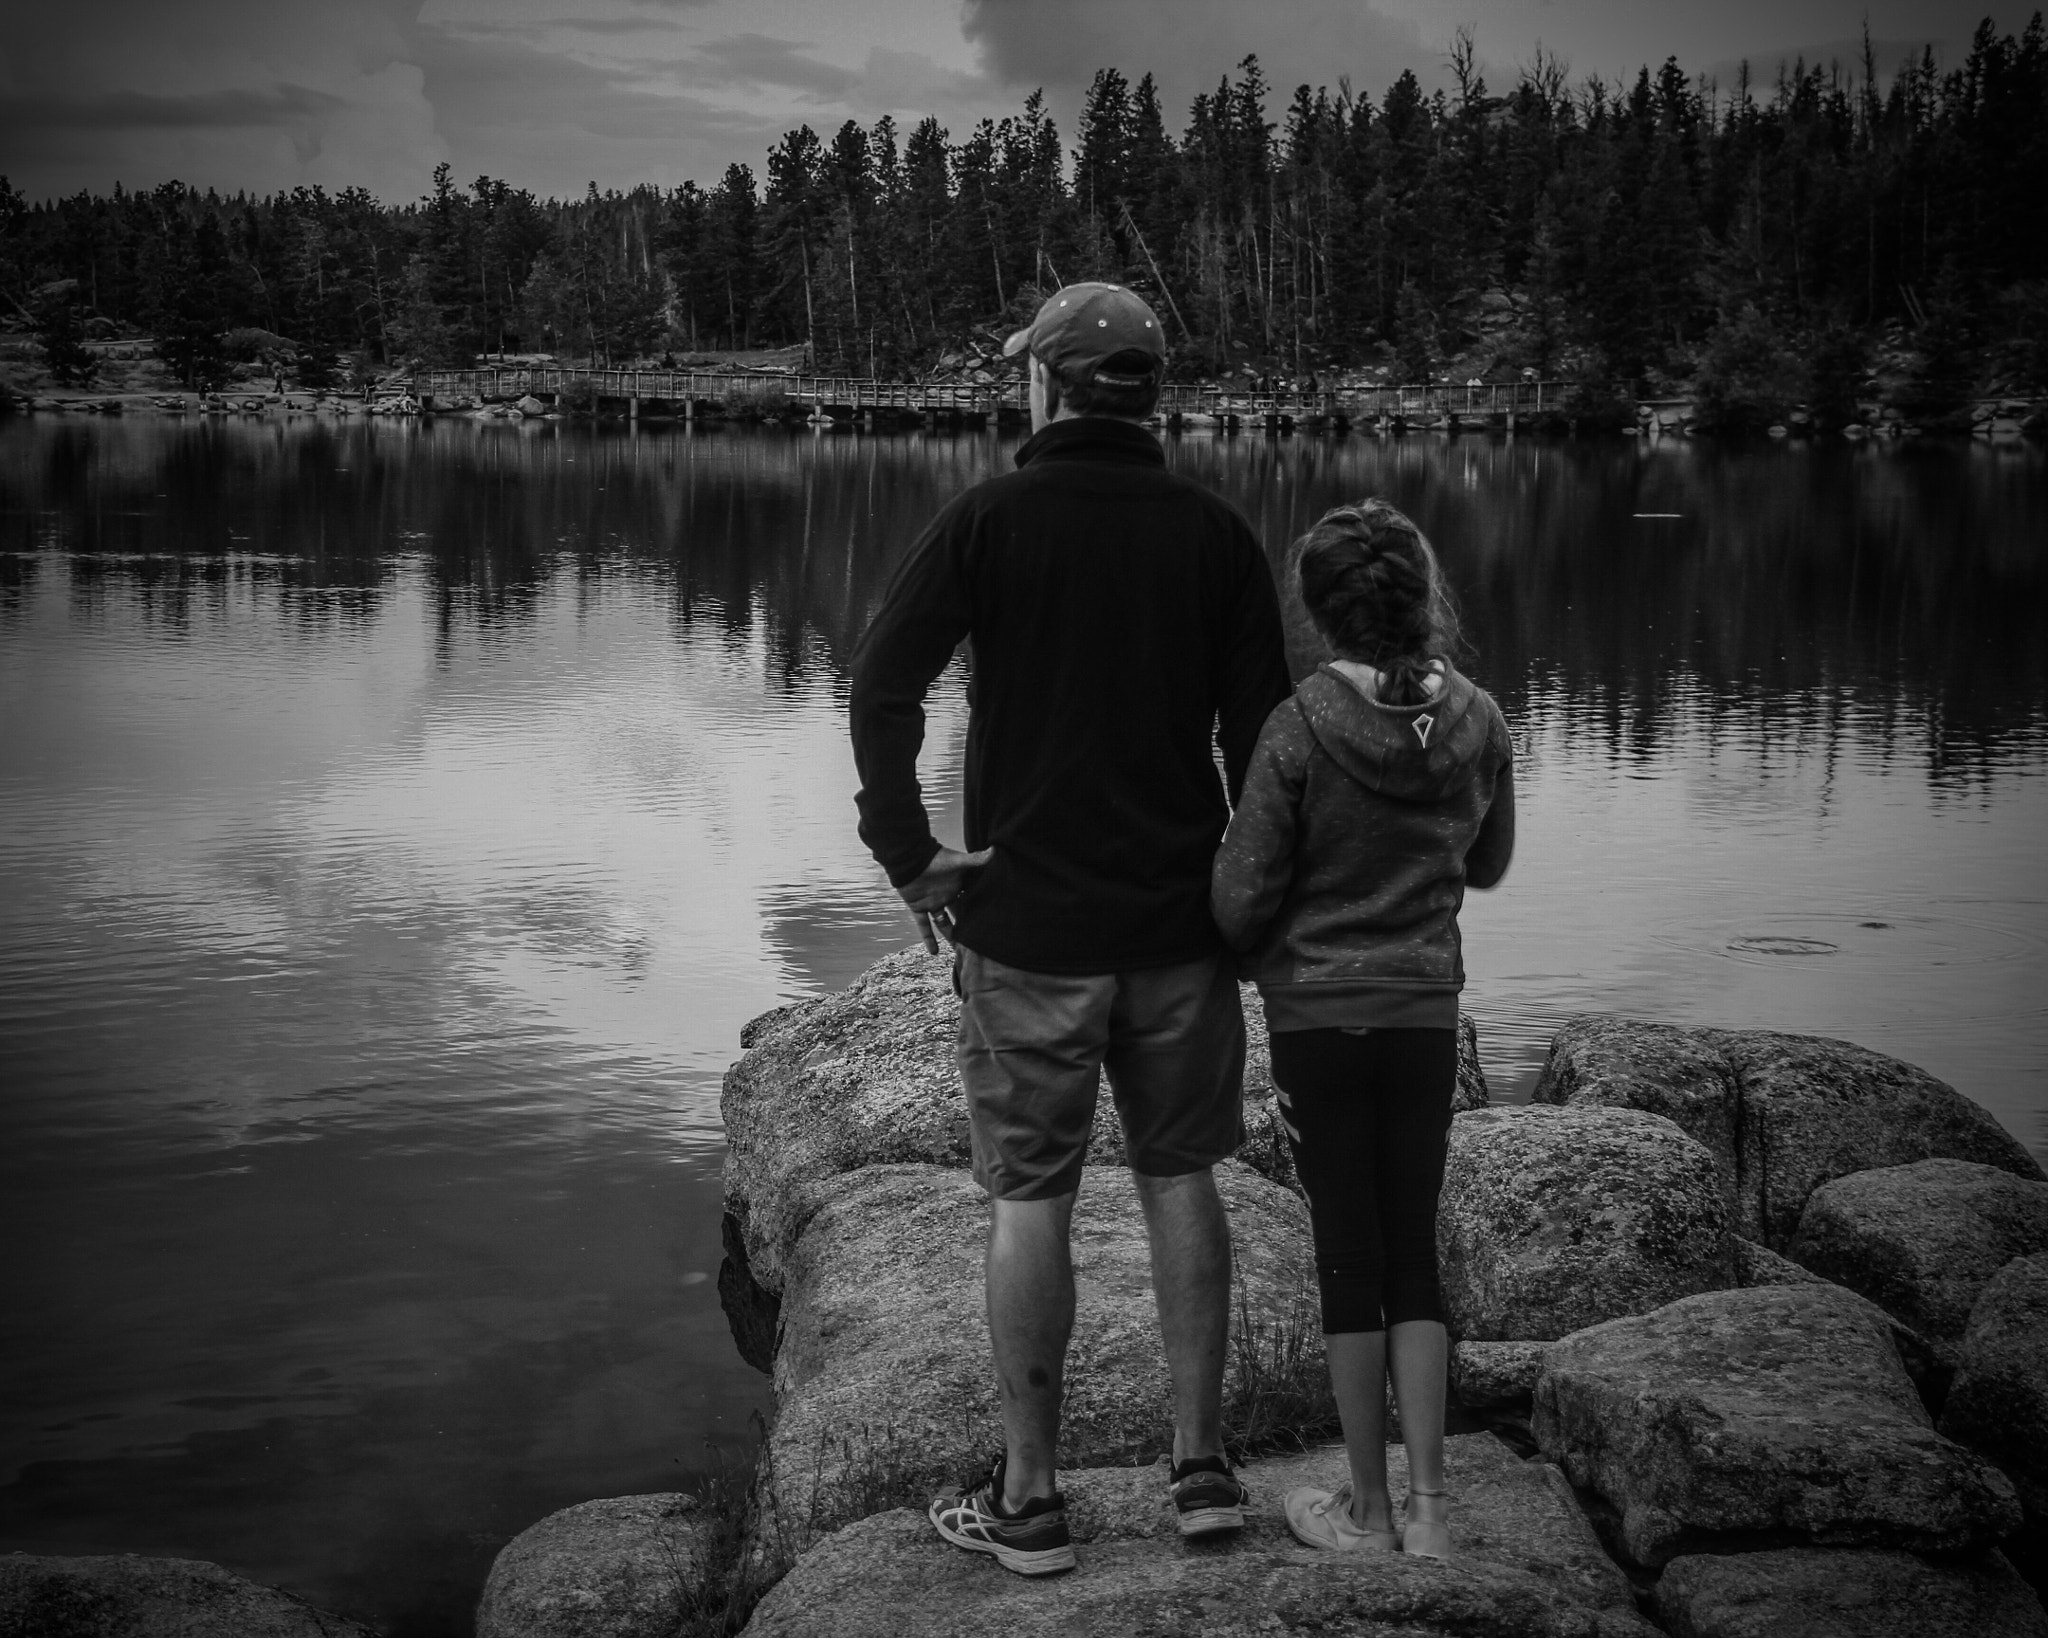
1778 238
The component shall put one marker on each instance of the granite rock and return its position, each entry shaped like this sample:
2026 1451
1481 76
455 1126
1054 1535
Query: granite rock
124 1595
1553 1219
1491 1375
1820 1592
1529 1566
866 1077
1779 1415
1998 1404
1929 1367
1923 1240
883 1380
616 1568
1782 1114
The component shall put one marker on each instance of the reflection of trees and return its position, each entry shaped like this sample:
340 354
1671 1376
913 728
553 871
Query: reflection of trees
1892 595
1897 593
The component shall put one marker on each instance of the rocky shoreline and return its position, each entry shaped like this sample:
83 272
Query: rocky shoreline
1750 1337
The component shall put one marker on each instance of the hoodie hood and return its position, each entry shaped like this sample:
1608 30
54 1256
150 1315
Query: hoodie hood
1413 753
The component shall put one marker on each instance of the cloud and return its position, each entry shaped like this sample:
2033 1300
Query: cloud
760 60
1059 44
144 110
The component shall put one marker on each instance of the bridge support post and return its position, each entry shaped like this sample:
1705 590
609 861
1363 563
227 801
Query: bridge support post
633 409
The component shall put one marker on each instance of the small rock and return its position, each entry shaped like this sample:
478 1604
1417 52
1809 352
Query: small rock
1922 1241
1998 1404
884 1384
1782 1114
1490 1375
618 1568
1775 1415
1529 1567
1817 1592
1555 1219
123 1595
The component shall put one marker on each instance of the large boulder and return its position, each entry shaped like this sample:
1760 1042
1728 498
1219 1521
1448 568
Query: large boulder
1553 1219
1780 1414
1998 1403
1495 1375
884 1383
1922 1241
1929 1368
123 1595
1529 1567
1821 1592
617 1568
1782 1114
866 1077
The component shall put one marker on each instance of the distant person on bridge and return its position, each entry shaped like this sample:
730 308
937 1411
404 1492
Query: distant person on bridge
1122 623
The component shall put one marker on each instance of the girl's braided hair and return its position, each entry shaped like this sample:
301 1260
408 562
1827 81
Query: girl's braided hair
1375 591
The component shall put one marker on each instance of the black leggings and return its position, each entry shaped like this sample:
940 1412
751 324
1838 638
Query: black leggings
1368 1118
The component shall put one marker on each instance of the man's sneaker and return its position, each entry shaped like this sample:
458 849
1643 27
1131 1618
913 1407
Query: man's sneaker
1033 1541
1207 1496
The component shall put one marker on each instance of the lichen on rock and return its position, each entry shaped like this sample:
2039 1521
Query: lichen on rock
1781 1114
1777 1415
1553 1219
1922 1241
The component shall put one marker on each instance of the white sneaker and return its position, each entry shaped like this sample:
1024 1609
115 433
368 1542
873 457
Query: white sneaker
1320 1518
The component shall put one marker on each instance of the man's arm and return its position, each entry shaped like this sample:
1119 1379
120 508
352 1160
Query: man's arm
1254 675
923 618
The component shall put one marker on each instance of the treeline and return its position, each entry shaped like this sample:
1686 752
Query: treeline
1663 230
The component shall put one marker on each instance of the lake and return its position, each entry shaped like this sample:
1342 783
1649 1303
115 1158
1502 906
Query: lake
398 821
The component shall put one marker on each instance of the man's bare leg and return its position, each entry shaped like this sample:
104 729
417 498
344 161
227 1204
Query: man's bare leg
1030 1274
1189 1233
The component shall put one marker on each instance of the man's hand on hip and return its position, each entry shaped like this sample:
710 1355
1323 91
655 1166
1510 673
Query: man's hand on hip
930 894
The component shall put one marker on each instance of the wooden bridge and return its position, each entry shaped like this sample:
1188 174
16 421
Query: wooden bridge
691 393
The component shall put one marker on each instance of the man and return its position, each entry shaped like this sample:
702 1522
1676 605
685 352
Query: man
1117 617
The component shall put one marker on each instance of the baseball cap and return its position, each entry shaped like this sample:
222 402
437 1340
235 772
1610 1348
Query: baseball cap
1082 326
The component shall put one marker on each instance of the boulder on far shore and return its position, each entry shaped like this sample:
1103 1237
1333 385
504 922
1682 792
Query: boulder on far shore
1529 1567
1776 1415
883 1381
124 1595
1922 1241
615 1568
1817 1592
1555 1219
1781 1114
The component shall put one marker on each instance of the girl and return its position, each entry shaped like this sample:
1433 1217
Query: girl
1375 795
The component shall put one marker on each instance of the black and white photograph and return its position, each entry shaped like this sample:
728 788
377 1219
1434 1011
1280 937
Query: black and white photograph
1064 818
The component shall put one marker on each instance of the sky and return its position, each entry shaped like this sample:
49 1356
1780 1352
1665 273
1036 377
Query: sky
556 94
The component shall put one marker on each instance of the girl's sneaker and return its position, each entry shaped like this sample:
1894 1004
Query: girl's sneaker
1207 1496
1031 1541
1322 1518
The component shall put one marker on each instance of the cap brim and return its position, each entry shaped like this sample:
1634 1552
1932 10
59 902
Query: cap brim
1019 340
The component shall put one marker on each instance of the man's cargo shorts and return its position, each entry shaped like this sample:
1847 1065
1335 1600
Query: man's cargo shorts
1033 1047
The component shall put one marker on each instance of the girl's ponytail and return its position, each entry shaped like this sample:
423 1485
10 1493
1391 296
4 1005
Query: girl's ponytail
1375 590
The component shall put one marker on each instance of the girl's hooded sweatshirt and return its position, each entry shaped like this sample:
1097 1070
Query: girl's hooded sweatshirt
1340 878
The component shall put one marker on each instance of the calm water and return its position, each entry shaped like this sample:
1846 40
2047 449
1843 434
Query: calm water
397 822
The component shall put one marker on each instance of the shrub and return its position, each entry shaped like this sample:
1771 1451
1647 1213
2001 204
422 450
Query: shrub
1748 376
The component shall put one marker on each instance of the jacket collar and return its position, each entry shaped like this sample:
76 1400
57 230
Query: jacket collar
1092 438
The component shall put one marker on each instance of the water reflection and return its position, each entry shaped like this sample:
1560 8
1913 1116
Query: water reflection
397 822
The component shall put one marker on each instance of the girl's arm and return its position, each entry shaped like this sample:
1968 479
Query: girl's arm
1487 859
1249 880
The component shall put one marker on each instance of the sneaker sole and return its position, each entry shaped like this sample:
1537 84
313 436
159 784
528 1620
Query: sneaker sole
1211 1521
1045 1561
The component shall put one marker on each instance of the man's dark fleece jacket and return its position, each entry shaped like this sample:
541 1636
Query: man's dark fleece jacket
1118 618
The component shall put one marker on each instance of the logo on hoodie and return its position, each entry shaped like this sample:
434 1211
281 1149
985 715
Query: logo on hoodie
1422 726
